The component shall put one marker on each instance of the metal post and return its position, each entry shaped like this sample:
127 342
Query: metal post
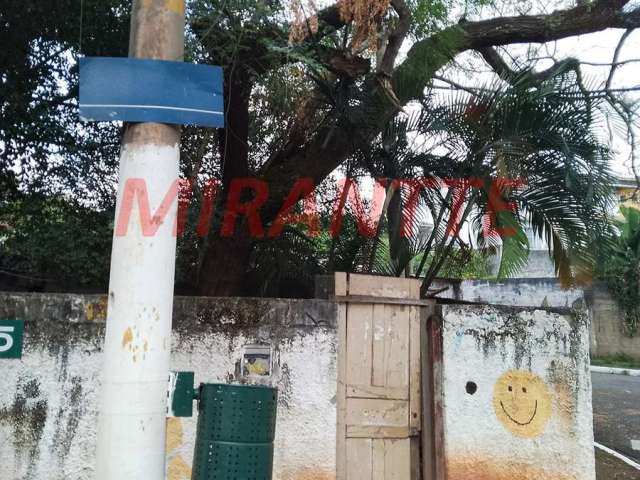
131 430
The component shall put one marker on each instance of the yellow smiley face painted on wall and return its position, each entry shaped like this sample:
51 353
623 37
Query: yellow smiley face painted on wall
522 403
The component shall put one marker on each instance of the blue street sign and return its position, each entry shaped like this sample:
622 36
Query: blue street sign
137 90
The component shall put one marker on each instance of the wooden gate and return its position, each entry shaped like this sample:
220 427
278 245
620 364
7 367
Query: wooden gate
380 324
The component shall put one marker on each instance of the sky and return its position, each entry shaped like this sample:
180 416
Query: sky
599 47
594 48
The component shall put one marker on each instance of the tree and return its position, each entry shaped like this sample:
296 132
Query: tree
351 103
302 98
531 156
51 243
519 155
621 269
43 148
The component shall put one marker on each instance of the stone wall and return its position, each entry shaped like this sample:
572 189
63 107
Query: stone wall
517 394
48 399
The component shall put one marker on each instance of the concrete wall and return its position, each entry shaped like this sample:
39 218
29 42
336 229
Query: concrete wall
539 265
524 292
517 394
48 399
607 334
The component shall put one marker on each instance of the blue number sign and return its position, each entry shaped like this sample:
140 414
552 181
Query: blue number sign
11 335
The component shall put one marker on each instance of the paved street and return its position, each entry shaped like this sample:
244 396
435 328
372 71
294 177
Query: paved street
616 413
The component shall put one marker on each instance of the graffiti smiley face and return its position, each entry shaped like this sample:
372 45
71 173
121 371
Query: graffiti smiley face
522 403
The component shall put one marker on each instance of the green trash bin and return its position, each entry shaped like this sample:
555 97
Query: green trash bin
236 429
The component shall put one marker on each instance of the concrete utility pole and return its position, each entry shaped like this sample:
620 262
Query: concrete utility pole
132 423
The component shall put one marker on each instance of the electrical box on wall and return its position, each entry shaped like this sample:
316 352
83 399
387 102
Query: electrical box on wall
256 361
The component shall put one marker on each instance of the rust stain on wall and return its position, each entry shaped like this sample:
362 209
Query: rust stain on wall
127 337
489 469
175 6
96 311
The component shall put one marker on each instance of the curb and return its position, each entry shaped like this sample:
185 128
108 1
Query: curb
617 455
616 371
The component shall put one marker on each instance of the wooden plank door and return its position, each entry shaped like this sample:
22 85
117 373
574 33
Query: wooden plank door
379 402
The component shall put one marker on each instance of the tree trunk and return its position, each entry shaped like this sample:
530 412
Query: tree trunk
225 258
223 269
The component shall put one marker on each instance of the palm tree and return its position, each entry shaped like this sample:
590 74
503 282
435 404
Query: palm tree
543 135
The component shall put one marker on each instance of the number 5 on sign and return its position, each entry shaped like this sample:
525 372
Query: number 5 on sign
11 334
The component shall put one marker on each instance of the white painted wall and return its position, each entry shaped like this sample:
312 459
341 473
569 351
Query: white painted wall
49 399
48 412
479 345
520 292
305 373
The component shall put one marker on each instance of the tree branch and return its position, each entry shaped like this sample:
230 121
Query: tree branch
333 143
497 63
500 66
608 64
396 38
555 26
458 86
429 55
616 56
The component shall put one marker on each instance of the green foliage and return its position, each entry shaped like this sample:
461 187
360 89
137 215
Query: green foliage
542 136
285 266
42 146
619 360
57 176
622 269
429 16
56 242
462 264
